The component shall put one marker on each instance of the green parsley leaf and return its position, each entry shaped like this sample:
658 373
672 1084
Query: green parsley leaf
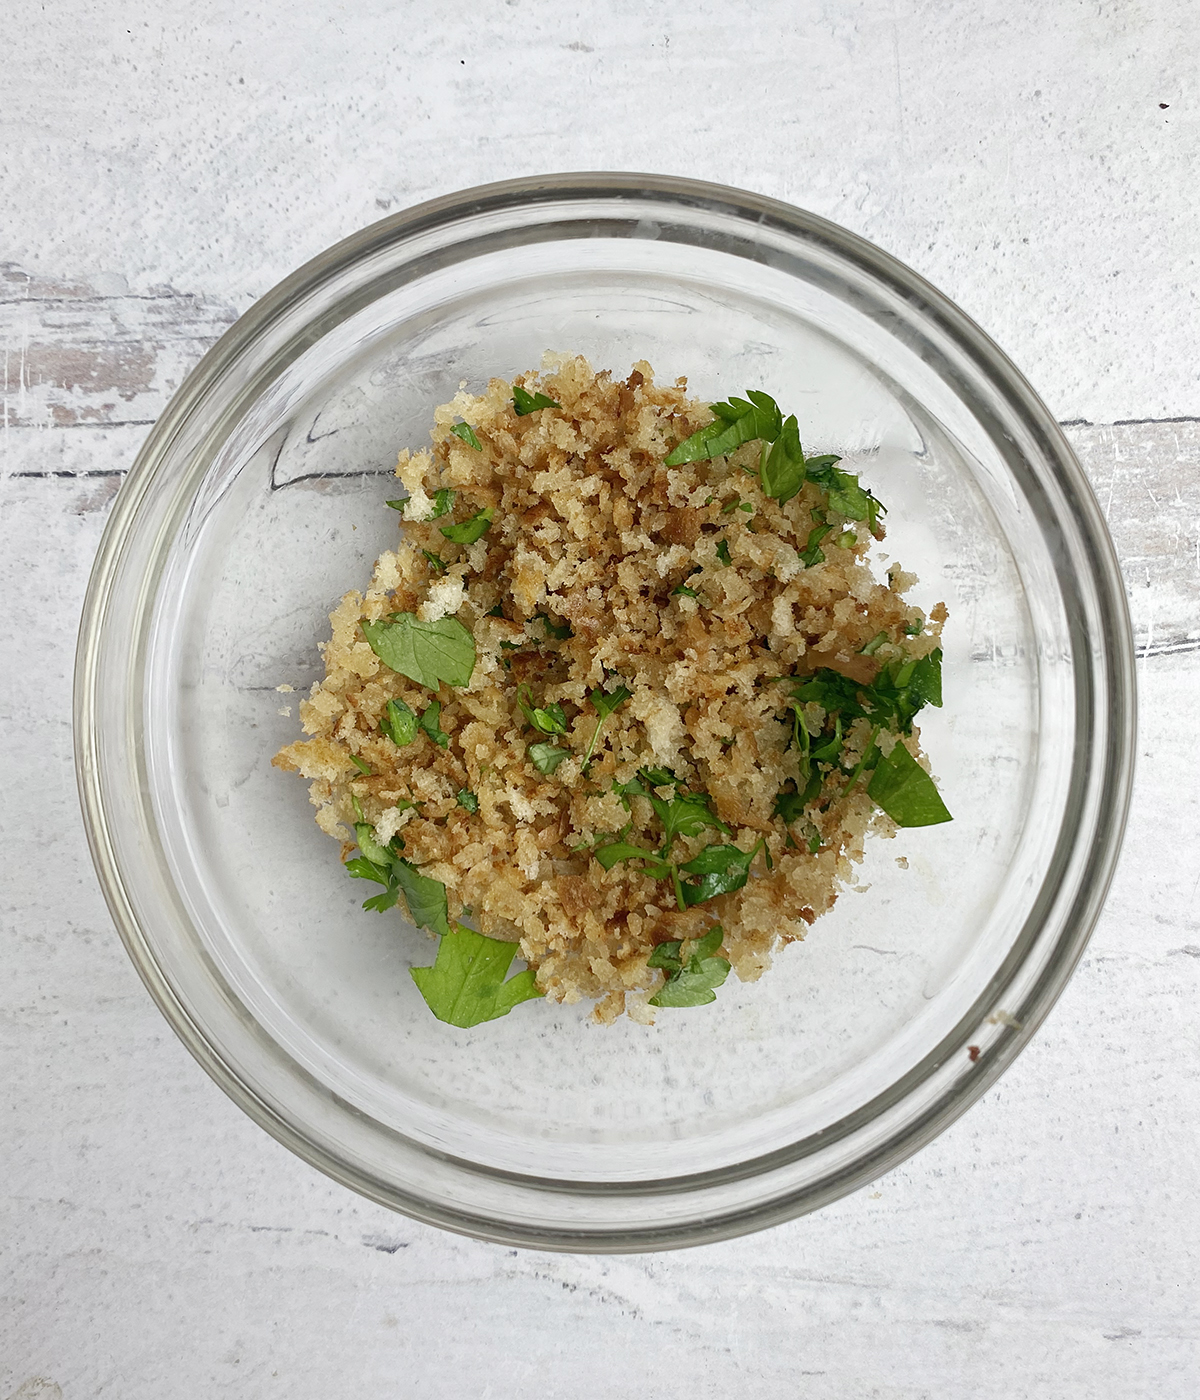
425 897
525 402
829 751
431 726
604 704
467 800
470 530
666 955
399 724
381 903
903 688
820 468
546 757
812 553
722 869
467 434
735 504
684 815
436 564
869 759
466 986
659 777
442 501
695 984
378 855
684 589
723 551
361 764
736 422
789 804
613 852
905 791
835 693
848 498
781 471
360 868
425 652
927 679
873 645
846 495
550 720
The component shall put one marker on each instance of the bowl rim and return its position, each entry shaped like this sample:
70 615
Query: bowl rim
1119 689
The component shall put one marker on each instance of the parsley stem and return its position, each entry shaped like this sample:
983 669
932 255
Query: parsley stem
675 880
862 762
587 758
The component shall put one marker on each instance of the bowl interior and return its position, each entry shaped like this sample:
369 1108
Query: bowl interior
259 501
298 519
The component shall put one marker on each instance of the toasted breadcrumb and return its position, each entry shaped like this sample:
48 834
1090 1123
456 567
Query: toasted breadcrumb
591 530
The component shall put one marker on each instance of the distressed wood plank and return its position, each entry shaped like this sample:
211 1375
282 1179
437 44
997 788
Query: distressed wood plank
71 354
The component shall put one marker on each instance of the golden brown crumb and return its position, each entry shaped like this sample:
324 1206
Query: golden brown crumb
593 531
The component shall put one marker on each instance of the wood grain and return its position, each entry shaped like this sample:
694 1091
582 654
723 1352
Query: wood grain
73 355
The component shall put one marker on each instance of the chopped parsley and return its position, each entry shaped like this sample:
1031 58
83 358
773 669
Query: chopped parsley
430 724
424 896
467 434
783 468
525 402
467 800
723 551
546 757
721 869
605 704
399 723
466 984
901 689
781 471
905 791
425 652
470 530
547 720
736 422
694 982
812 553
361 764
442 501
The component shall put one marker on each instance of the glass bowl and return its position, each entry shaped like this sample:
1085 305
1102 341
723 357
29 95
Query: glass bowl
258 500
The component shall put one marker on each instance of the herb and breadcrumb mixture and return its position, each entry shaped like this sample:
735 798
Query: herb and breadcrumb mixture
626 695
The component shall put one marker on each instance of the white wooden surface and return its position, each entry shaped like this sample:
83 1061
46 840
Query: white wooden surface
161 168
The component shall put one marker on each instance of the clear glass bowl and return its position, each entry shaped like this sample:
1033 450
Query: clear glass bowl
258 500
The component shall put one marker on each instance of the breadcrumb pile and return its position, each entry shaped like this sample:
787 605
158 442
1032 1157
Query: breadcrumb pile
592 532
